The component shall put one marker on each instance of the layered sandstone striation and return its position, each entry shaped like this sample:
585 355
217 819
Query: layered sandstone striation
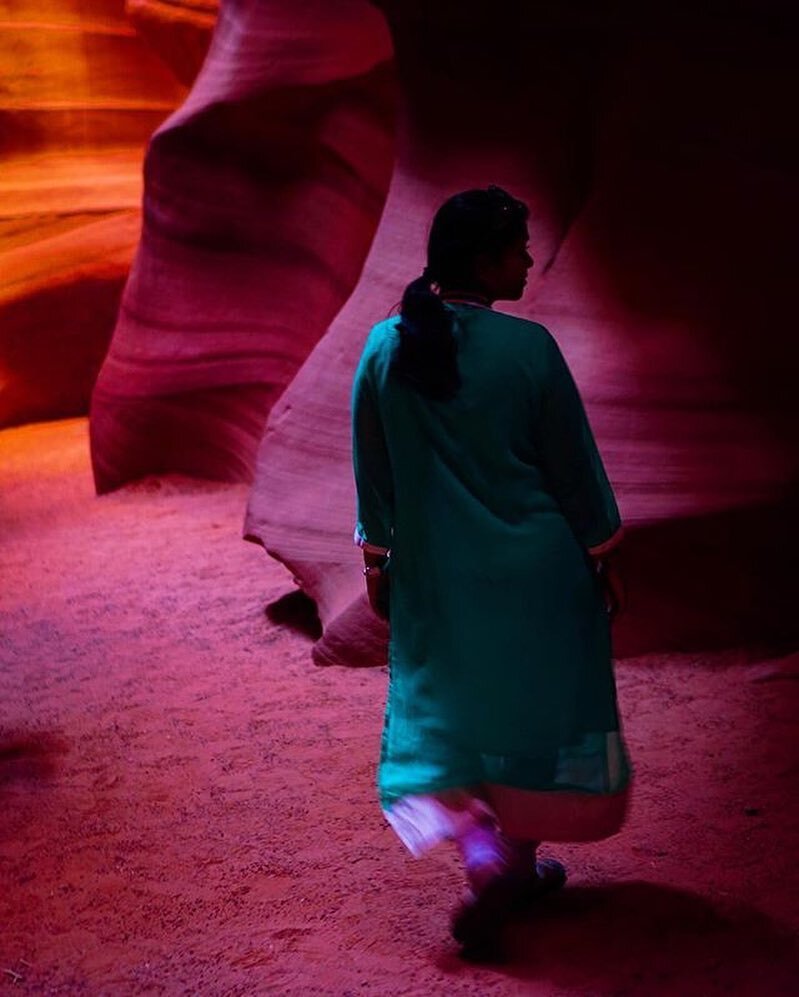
262 195
81 93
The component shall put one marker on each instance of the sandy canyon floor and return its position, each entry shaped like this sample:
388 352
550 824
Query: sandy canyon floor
187 802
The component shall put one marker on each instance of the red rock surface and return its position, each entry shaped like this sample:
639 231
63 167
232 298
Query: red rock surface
178 30
262 193
81 93
188 806
651 146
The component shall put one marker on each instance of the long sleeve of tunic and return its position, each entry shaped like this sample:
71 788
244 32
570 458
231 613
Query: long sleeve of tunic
371 466
572 468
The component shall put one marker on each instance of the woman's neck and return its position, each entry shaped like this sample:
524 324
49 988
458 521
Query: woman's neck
467 297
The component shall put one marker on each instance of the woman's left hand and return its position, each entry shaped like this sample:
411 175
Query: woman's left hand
377 591
377 585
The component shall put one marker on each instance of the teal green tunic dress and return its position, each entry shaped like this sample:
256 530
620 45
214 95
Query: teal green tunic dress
499 653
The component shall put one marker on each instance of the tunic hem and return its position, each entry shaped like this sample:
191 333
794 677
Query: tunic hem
423 821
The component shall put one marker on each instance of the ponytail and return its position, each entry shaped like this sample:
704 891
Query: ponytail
426 358
467 225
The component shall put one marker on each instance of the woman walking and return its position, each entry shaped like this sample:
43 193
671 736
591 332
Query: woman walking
486 520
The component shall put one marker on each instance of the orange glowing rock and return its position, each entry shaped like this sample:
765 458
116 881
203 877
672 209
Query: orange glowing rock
81 93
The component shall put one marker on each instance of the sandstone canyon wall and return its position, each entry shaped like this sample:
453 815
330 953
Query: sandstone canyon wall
652 146
262 194
80 94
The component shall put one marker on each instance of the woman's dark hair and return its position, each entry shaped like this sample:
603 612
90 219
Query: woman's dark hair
469 224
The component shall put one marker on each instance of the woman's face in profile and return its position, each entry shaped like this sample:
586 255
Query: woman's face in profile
504 277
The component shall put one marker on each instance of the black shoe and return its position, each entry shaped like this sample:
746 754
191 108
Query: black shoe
550 876
479 921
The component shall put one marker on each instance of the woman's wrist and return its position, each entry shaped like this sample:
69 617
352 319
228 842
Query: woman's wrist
372 560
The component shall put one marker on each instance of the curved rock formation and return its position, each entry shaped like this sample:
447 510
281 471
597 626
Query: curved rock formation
81 93
180 32
651 146
262 194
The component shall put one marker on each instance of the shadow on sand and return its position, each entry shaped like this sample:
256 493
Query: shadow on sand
642 938
29 755
297 611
